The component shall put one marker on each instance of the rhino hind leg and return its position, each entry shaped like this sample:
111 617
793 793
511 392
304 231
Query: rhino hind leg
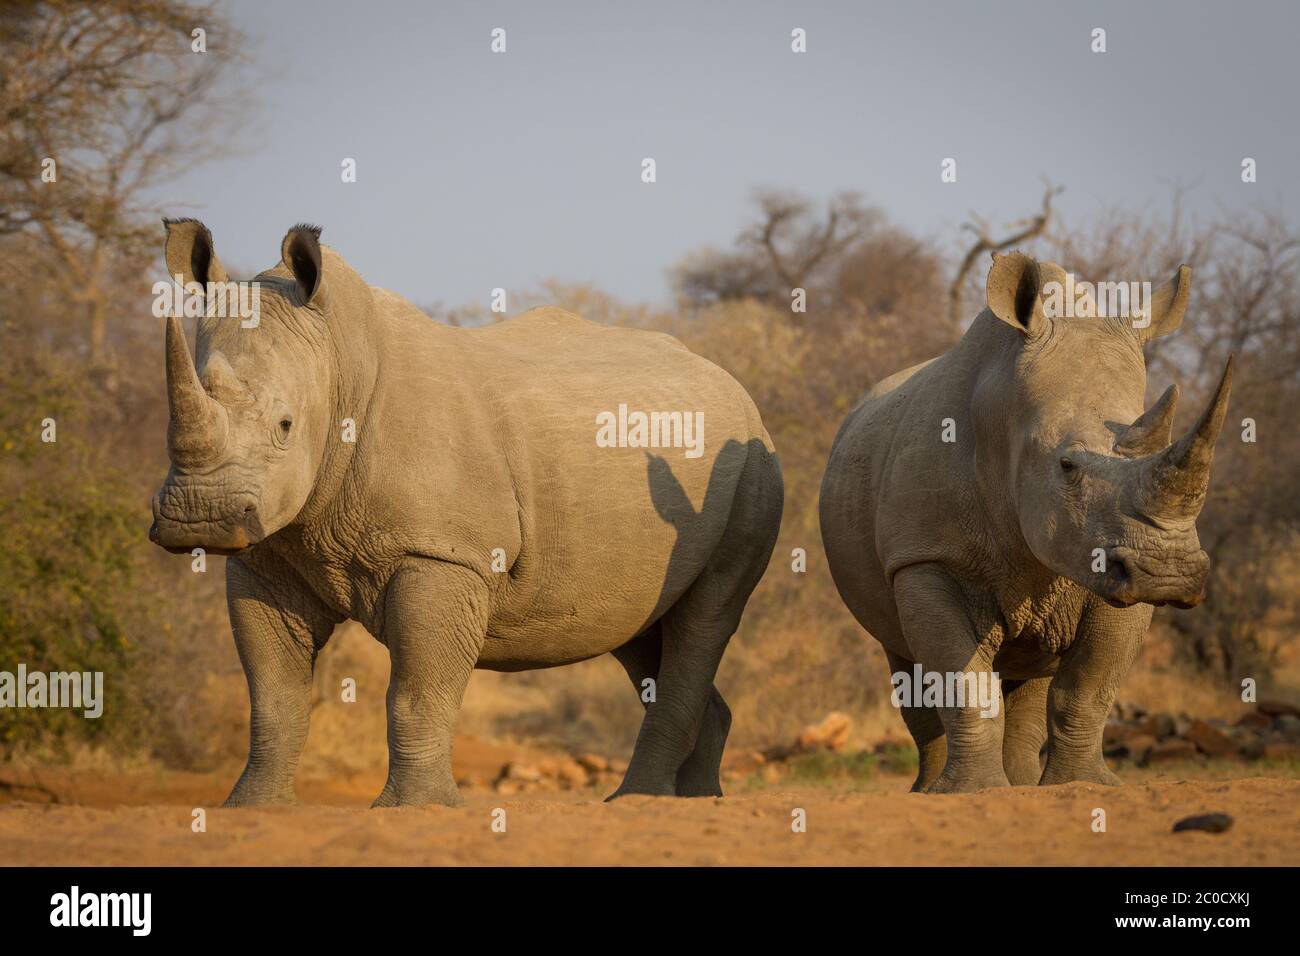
926 728
679 748
1025 730
700 774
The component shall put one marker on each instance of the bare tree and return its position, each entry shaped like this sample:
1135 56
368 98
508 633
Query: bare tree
1022 231
101 102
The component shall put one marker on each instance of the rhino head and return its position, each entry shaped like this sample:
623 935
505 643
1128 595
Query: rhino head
249 419
1101 491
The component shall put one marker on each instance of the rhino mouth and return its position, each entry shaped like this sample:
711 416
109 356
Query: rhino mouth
237 532
1133 578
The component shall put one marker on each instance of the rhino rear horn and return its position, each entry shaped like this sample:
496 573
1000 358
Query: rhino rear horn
1153 429
1180 476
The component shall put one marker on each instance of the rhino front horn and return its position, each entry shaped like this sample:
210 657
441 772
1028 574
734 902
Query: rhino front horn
197 429
1180 476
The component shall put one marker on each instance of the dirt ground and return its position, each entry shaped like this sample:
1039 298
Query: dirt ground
146 819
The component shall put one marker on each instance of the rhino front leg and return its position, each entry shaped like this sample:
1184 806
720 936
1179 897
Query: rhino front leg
435 622
938 630
1084 689
278 628
1025 729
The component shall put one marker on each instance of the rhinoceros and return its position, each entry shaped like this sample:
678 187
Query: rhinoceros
509 497
1009 511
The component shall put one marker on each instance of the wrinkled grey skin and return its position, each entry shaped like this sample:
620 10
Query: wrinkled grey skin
467 442
977 555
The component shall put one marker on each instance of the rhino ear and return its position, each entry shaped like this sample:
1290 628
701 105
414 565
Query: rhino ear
1168 305
1013 292
190 253
300 252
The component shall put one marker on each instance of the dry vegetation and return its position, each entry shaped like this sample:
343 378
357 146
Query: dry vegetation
81 588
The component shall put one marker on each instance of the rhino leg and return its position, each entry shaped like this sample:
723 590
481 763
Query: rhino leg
1025 730
938 630
1084 689
700 774
435 622
926 728
278 631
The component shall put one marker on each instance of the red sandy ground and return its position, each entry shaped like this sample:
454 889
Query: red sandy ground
145 818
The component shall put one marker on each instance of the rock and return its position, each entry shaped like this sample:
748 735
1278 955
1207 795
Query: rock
1208 822
593 762
747 761
1284 751
1255 720
1159 725
520 773
572 775
1276 708
1249 745
1210 739
1170 750
1117 732
1288 725
831 734
1135 747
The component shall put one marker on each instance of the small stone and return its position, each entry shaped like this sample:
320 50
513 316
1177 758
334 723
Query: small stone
1255 720
1116 732
1159 725
1288 725
831 734
747 761
1210 739
1249 745
1136 747
573 775
1276 708
521 773
1208 822
1170 750
593 762
1283 751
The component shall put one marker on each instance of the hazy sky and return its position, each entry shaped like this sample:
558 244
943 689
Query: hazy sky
477 170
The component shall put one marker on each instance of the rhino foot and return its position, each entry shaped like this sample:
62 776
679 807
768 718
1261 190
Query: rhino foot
968 782
1057 773
251 797
440 796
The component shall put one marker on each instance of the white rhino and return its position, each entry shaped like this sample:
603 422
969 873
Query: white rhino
446 488
1034 542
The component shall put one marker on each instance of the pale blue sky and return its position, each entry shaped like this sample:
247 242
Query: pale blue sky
478 170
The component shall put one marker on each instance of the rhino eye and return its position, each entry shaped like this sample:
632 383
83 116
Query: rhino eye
285 425
1067 466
